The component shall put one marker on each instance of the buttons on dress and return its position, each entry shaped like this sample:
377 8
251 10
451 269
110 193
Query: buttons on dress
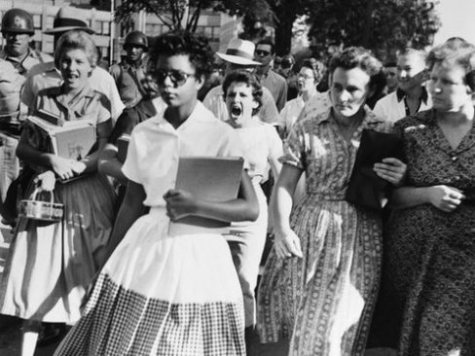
454 158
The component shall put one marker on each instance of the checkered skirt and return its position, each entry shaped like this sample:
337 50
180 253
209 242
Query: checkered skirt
162 295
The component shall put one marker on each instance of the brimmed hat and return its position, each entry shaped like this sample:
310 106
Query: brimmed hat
239 52
68 19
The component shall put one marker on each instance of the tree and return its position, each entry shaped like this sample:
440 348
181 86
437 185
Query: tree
380 25
176 14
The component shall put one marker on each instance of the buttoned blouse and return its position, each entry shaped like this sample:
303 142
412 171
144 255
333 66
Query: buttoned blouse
431 160
156 146
316 146
392 108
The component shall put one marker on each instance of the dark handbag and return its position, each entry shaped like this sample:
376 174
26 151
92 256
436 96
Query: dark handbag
365 188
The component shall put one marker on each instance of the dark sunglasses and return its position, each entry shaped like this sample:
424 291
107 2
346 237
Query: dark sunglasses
177 77
262 53
285 64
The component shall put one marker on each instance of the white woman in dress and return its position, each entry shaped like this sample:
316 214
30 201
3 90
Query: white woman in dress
262 150
320 282
51 264
165 293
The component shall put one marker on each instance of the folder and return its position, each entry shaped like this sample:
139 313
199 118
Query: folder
208 178
366 189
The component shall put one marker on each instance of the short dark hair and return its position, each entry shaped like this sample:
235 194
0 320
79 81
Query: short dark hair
242 76
267 41
356 57
461 53
184 43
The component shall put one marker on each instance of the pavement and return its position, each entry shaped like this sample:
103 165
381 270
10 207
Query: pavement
10 327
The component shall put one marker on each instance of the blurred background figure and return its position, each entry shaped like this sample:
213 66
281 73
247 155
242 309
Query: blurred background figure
129 74
277 85
390 70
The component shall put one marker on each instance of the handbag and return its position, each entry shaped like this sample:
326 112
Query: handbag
365 188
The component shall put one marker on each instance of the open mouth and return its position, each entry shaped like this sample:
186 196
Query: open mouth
236 110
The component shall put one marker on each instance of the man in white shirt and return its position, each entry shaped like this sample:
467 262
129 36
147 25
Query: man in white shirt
411 95
239 55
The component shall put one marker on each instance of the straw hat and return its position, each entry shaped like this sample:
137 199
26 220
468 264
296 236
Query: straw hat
68 19
239 52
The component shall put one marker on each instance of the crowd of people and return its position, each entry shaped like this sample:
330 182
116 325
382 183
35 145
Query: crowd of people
126 278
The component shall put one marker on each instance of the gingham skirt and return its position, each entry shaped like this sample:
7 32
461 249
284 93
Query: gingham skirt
162 295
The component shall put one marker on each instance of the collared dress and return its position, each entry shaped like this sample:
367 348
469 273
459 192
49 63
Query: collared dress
164 293
431 253
261 144
45 75
323 302
50 265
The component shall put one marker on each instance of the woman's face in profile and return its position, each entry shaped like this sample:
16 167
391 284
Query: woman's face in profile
75 68
306 79
348 90
447 87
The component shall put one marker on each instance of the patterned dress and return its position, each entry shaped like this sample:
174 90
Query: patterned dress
324 301
50 265
432 253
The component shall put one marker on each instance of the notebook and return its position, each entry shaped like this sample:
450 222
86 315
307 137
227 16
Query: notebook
207 178
366 189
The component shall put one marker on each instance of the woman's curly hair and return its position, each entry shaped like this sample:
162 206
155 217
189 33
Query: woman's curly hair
184 43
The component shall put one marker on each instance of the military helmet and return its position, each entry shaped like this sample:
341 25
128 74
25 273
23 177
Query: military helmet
136 38
18 21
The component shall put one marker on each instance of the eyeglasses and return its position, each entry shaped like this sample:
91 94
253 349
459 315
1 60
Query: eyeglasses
262 53
177 77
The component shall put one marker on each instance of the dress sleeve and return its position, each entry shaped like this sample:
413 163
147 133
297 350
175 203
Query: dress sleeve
275 144
294 147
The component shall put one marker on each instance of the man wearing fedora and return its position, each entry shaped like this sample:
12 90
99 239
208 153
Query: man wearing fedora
18 30
130 73
45 75
239 55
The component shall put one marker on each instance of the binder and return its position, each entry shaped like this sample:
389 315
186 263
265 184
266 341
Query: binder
207 178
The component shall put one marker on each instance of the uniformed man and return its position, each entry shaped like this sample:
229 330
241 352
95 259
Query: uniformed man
129 74
18 31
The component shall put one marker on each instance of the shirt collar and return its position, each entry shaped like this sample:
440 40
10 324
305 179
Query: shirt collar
369 119
199 114
400 94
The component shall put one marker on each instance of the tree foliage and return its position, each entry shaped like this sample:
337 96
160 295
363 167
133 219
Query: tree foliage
381 25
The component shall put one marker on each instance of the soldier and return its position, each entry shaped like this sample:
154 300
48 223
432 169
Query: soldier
16 59
18 31
129 74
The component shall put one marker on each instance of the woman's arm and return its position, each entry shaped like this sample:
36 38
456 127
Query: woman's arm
109 164
442 197
245 207
131 209
286 243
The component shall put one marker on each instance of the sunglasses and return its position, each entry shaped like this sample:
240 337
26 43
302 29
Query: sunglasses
262 53
177 77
